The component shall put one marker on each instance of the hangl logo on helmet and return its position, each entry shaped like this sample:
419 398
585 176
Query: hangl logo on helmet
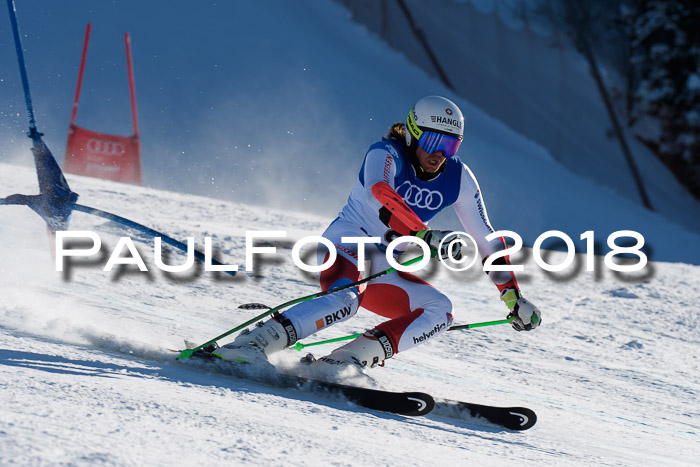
454 122
448 111
418 197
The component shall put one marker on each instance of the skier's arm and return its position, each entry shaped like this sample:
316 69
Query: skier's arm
394 212
471 212
380 169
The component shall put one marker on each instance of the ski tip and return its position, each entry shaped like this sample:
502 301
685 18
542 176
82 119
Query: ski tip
424 404
253 306
511 418
190 344
523 418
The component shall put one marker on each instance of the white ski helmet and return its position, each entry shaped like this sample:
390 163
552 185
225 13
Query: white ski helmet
436 123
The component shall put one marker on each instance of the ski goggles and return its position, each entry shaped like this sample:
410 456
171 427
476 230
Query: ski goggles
432 142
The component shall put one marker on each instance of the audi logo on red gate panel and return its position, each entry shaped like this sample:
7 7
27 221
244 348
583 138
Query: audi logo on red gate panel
420 197
105 147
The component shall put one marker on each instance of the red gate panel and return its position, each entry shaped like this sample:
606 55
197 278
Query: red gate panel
104 156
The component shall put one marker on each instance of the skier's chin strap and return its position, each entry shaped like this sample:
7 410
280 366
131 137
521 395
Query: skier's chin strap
421 174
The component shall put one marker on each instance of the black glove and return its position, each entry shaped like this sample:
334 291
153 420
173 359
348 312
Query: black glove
449 250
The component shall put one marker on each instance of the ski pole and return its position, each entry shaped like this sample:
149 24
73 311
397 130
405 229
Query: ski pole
299 346
187 353
461 327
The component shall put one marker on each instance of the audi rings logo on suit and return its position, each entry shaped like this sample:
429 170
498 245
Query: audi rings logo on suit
418 197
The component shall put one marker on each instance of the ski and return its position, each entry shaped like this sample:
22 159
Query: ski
401 403
413 404
512 418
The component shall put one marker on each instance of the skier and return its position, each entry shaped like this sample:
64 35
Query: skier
405 180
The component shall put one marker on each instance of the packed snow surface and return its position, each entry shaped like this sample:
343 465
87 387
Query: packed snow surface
230 111
86 376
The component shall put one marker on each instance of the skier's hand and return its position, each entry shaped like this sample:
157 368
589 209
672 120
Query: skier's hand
526 316
451 249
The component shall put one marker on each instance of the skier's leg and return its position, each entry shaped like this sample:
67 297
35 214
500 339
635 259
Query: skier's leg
306 318
418 313
423 313
320 313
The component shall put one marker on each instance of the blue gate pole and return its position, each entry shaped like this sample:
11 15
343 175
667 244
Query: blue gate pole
33 133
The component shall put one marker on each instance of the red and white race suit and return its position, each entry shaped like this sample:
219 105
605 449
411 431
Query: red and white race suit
416 311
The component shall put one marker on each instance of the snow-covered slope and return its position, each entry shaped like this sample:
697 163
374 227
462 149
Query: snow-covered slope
535 83
230 110
86 377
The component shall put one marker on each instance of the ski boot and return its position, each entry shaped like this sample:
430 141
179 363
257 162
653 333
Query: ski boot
255 346
351 359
